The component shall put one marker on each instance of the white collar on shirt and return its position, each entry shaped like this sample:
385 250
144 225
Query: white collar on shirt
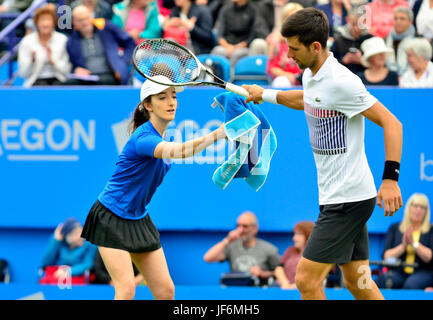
324 68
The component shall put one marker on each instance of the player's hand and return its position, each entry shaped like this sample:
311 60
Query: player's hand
255 93
390 194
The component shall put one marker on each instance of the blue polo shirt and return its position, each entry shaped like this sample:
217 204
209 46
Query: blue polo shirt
137 175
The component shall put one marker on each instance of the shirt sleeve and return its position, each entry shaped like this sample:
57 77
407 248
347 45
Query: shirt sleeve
274 258
351 96
146 144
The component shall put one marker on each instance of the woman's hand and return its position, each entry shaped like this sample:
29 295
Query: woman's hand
221 133
58 232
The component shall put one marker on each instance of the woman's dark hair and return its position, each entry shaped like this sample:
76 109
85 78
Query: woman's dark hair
309 25
141 115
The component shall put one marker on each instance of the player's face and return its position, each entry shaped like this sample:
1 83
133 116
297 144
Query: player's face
302 55
164 104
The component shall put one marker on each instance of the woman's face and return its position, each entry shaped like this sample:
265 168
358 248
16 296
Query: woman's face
299 240
45 25
417 212
180 3
74 238
378 60
141 3
415 62
164 105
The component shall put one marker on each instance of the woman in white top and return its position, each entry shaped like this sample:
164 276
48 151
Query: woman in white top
420 73
42 55
424 19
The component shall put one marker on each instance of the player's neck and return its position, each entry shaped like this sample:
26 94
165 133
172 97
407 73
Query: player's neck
159 126
321 58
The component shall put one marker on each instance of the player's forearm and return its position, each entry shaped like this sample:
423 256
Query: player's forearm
393 134
293 99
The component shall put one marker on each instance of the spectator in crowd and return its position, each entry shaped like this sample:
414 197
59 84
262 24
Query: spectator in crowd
42 56
412 242
285 272
381 13
14 6
283 70
403 31
336 11
139 18
420 72
101 275
67 248
375 54
244 251
423 16
347 41
164 8
97 8
241 31
94 51
214 7
193 22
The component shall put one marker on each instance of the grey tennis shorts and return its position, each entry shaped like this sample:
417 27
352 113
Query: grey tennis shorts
340 234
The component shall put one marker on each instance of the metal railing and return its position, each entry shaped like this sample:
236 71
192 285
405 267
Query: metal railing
9 31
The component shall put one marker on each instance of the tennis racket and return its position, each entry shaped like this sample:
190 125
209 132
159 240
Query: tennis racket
167 58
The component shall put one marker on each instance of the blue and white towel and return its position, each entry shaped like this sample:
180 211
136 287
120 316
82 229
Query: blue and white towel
254 138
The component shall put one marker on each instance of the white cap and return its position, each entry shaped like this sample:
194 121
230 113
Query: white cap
150 88
373 46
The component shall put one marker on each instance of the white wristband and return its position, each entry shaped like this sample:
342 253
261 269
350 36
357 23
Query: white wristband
270 95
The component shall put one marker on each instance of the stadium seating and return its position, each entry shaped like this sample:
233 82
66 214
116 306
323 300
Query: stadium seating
251 70
218 63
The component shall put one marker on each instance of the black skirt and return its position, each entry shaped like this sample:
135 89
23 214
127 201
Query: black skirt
106 229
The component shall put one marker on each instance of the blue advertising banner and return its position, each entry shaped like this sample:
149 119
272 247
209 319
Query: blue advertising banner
58 147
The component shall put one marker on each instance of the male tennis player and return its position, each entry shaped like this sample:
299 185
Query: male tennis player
335 103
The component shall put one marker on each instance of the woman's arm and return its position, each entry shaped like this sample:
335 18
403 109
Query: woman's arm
174 150
282 279
51 254
395 252
423 252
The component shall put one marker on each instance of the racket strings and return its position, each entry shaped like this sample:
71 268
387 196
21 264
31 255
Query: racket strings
163 58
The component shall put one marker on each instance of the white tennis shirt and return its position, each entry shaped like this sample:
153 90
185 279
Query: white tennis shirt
333 101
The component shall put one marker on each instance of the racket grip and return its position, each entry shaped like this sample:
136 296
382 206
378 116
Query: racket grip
238 90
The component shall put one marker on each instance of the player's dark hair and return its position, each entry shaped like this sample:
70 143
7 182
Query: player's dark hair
309 25
141 115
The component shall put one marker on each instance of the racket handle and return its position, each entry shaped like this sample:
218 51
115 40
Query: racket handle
238 90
